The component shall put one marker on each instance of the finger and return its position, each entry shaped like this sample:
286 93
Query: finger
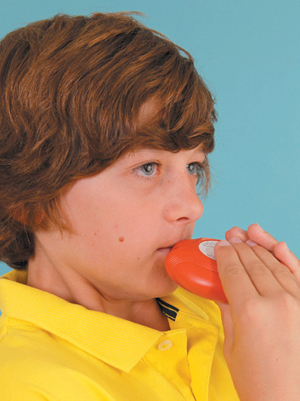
282 253
280 250
261 237
236 232
236 283
258 270
281 272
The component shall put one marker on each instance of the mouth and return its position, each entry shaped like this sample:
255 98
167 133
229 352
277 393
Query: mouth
165 251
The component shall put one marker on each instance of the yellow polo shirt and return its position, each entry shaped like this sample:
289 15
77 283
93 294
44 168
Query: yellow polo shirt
53 350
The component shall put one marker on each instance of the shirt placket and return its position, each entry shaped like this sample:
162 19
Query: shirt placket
169 358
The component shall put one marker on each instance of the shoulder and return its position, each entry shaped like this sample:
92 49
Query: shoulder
37 365
16 379
29 368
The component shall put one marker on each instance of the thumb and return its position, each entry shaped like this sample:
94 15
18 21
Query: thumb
227 325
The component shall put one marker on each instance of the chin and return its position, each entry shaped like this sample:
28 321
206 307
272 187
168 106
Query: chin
167 289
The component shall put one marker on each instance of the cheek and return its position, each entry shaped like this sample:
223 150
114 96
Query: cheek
131 217
113 220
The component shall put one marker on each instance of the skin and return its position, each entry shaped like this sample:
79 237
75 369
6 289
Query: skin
261 279
113 261
124 222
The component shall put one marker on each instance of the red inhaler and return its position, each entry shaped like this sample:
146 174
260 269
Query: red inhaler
191 264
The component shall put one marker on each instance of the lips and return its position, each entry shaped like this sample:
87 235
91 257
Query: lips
168 248
165 250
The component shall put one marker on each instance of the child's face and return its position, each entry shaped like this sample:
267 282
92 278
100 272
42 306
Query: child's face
125 221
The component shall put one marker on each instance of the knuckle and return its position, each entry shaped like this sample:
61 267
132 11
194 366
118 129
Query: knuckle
261 313
252 310
288 303
281 270
232 273
289 309
250 313
233 270
256 268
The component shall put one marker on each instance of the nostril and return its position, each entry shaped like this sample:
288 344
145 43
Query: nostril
183 219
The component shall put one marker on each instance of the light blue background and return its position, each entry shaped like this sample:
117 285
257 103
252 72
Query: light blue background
249 54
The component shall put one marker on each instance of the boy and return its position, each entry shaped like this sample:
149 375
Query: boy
105 131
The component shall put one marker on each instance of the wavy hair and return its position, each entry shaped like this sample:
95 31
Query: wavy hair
71 89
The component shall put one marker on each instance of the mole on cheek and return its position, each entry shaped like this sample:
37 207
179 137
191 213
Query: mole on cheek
121 239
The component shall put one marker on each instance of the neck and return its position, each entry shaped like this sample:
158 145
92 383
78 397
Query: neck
69 285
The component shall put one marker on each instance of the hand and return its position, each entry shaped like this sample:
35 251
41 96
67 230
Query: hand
262 320
280 250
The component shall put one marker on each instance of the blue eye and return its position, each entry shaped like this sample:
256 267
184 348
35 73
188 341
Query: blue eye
147 169
196 169
193 168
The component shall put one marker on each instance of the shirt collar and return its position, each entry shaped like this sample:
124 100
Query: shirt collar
115 341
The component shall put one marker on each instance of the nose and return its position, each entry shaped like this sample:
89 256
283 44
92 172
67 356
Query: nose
183 204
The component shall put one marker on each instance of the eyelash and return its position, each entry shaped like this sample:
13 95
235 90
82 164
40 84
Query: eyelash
199 171
140 172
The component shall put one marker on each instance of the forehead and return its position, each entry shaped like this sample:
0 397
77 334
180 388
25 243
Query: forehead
166 124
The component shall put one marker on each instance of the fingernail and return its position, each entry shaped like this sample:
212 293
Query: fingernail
235 240
258 226
223 242
251 243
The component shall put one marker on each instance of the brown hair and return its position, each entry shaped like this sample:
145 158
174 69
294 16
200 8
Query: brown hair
70 93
